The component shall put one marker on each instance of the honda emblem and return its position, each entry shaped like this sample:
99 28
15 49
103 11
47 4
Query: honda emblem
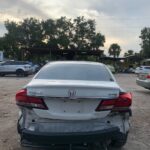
71 94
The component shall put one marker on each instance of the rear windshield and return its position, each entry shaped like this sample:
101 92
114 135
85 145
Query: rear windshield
67 71
147 67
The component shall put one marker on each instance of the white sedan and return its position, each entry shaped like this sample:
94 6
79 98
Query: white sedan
142 69
143 80
71 102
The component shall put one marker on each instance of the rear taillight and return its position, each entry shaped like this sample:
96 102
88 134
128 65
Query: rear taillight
106 105
148 76
22 99
123 102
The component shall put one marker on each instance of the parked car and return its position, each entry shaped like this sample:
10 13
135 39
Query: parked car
73 102
35 67
143 80
142 69
19 68
129 70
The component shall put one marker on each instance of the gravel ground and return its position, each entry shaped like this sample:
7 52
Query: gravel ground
139 136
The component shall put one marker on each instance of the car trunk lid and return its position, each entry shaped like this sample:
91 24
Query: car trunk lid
72 99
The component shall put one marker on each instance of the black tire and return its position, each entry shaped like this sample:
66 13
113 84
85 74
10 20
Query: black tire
18 128
18 125
25 75
119 141
2 74
20 73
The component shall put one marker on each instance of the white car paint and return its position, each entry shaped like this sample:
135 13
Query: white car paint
13 66
88 96
142 69
72 104
143 81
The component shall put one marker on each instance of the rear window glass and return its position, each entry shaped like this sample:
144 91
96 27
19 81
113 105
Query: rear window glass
15 63
147 67
66 71
21 63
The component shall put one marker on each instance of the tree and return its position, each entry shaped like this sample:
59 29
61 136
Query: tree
11 50
31 33
85 36
25 34
64 32
97 41
59 34
114 50
129 53
49 33
145 44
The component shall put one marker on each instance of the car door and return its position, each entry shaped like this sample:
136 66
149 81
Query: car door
2 67
9 66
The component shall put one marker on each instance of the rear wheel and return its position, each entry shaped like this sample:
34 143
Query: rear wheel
20 73
119 141
2 74
18 127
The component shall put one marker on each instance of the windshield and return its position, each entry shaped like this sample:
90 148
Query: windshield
75 72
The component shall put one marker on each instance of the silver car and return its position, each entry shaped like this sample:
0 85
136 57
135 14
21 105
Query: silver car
143 80
73 102
20 68
142 69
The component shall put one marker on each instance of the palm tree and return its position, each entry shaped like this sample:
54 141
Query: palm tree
114 50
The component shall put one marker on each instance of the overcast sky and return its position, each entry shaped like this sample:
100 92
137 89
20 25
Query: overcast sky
119 20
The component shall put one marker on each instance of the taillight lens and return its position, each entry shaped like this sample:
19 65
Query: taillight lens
123 102
106 105
22 99
148 76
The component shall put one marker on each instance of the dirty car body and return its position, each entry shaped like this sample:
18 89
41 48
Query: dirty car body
73 102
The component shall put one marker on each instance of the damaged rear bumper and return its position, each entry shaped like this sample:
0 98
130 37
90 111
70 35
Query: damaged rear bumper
44 139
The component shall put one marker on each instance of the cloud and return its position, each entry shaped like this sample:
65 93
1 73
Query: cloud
122 8
120 20
2 30
7 16
19 9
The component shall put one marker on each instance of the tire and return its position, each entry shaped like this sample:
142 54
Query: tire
25 75
20 73
18 128
18 125
2 74
119 141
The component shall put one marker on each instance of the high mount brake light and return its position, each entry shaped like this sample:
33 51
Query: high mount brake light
22 99
123 102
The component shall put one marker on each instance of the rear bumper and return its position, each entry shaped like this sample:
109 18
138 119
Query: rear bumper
46 139
143 83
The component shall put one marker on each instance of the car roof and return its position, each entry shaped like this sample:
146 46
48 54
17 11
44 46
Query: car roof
144 66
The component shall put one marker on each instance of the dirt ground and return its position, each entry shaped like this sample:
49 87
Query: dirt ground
139 136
